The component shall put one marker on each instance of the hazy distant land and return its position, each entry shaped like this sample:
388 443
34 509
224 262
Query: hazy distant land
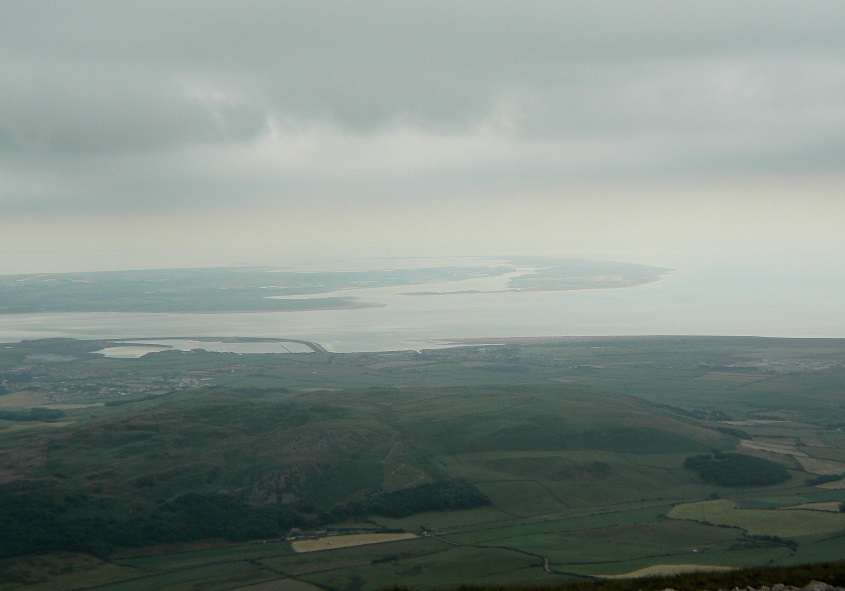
245 289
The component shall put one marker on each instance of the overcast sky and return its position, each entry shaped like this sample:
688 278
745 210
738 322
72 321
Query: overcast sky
154 134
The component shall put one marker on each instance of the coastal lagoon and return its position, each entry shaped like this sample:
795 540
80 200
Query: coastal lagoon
761 300
135 349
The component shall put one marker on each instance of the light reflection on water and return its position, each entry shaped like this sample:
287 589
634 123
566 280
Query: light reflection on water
129 351
135 349
717 300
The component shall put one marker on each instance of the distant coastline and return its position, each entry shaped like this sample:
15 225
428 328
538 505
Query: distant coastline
266 289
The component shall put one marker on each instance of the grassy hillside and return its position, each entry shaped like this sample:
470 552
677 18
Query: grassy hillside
164 469
530 462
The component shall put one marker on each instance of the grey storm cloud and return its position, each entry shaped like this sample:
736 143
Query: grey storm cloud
71 107
159 102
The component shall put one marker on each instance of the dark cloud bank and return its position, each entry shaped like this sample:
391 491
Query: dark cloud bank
163 104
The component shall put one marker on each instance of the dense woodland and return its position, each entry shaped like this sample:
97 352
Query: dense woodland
35 519
728 469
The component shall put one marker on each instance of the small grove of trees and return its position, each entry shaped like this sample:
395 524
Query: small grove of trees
823 478
727 469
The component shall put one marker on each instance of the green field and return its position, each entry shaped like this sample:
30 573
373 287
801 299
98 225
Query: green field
773 522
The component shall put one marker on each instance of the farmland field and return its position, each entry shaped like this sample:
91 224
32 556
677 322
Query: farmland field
346 541
761 521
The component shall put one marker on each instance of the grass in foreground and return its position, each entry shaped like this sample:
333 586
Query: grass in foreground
832 573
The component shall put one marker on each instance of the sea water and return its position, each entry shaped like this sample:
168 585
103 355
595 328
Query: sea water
726 299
